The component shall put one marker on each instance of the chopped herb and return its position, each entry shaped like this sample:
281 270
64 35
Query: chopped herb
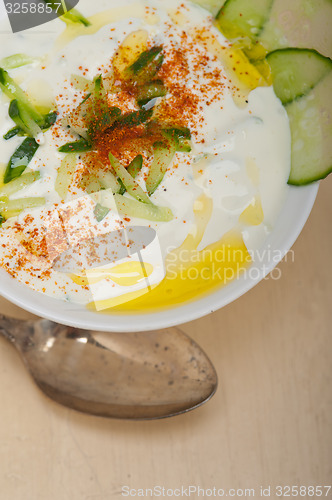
100 212
49 120
20 159
104 121
76 147
12 133
179 132
85 98
135 118
181 136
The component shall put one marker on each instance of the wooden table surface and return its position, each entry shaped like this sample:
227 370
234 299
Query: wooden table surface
269 423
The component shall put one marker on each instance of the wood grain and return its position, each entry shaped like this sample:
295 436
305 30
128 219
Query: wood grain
269 423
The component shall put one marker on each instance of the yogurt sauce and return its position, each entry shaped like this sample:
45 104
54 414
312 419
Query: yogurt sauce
233 182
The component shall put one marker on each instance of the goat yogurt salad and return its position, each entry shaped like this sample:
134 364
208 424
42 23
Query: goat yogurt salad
152 90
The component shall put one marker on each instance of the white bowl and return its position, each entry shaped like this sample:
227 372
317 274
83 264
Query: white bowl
289 224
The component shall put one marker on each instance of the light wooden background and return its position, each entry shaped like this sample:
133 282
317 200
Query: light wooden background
269 423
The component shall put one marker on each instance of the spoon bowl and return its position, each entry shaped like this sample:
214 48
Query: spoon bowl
143 375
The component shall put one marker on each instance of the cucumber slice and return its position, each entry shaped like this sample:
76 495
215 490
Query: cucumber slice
296 71
134 208
13 91
150 91
10 208
128 181
65 175
163 154
18 184
310 119
71 15
12 133
243 18
74 16
22 119
212 6
133 169
299 23
16 61
146 66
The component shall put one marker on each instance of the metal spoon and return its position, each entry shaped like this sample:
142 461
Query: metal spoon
122 375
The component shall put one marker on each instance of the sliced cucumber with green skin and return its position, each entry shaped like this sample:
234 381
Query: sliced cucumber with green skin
212 6
296 71
22 119
243 18
163 154
133 169
104 119
65 175
135 118
302 79
28 120
299 23
100 94
180 137
128 181
16 61
135 166
18 184
179 132
150 91
13 91
134 208
146 66
310 119
49 120
10 208
72 15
